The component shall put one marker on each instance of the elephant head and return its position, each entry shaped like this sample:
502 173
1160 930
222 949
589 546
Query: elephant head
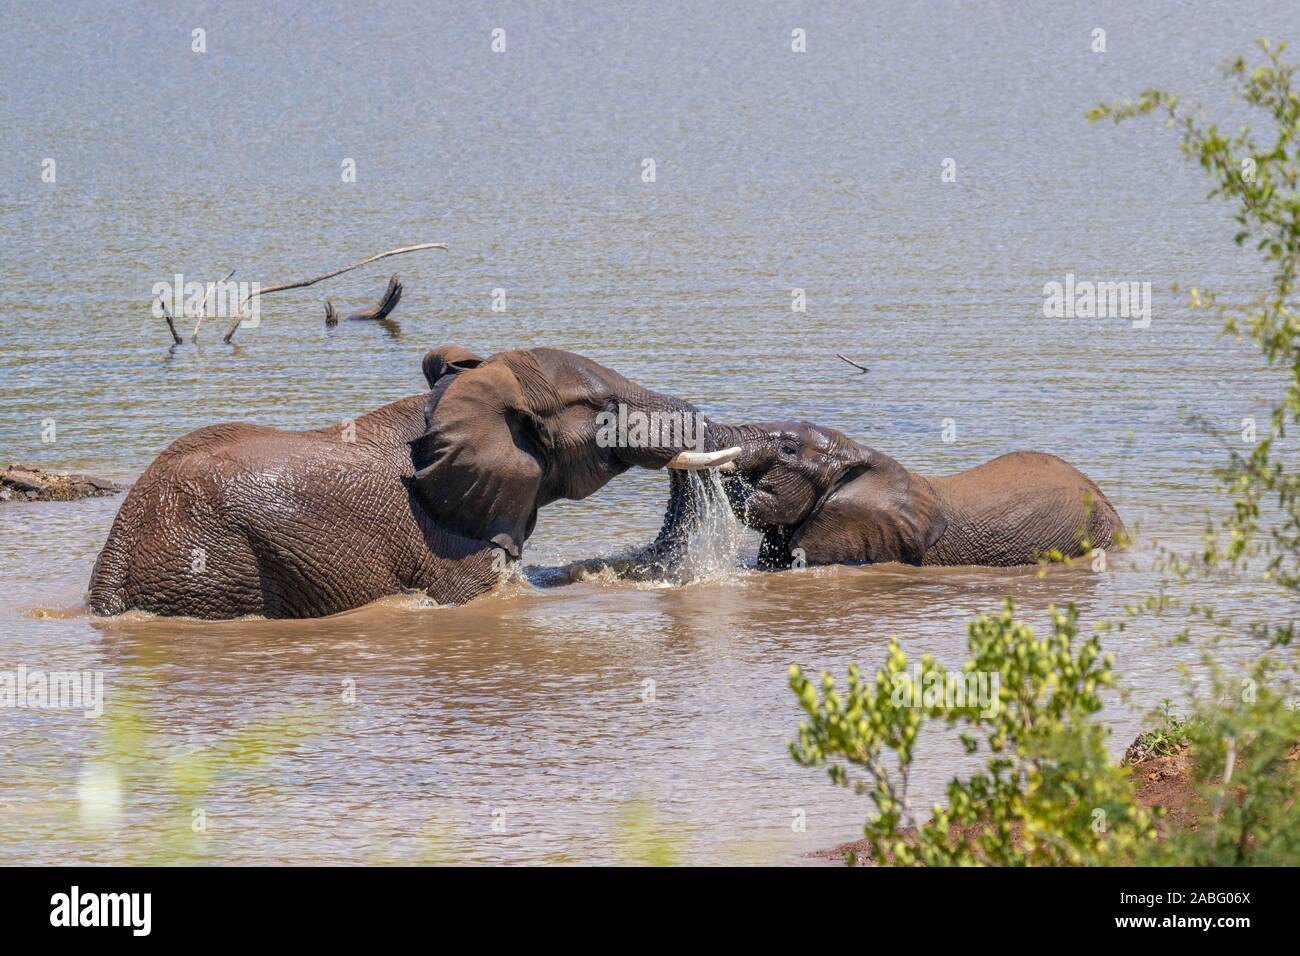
509 434
817 494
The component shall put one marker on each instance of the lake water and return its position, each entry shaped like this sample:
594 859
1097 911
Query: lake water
600 721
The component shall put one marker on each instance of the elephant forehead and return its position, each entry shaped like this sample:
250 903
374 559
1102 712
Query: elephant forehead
804 431
552 379
812 437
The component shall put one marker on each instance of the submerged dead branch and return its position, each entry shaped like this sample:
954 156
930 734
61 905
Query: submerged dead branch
203 306
861 368
387 303
302 283
171 324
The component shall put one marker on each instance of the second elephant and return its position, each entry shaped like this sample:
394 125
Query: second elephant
818 495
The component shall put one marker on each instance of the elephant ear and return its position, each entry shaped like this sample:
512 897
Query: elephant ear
479 464
878 512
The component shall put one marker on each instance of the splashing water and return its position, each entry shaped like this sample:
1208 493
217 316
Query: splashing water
713 535
700 541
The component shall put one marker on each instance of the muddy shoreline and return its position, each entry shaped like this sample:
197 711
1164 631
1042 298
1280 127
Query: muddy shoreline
26 482
1159 780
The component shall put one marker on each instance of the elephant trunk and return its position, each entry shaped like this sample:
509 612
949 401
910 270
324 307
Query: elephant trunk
653 430
688 499
733 436
749 439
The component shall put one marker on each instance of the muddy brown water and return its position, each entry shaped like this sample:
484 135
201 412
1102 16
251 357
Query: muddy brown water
600 721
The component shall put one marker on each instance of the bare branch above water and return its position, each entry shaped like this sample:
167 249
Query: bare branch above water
203 306
230 333
862 368
171 325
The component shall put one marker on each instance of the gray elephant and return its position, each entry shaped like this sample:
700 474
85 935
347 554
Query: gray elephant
818 495
433 493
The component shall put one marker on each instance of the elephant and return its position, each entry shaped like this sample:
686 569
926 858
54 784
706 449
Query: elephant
436 492
818 496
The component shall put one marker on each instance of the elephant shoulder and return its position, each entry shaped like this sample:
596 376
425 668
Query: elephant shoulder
234 461
1041 469
1016 472
1028 462
209 439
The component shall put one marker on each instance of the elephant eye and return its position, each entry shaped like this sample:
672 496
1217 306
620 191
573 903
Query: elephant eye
789 450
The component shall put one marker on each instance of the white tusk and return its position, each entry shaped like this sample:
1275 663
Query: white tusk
695 460
729 468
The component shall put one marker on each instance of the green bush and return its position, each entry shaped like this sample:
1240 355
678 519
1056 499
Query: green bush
1047 793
